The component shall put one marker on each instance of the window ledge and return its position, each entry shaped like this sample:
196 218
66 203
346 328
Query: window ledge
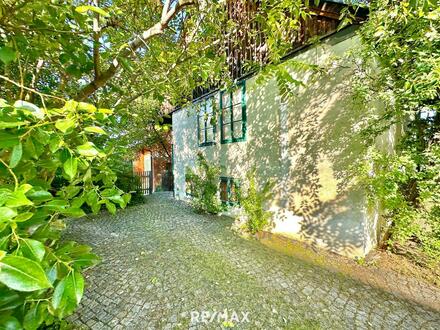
206 144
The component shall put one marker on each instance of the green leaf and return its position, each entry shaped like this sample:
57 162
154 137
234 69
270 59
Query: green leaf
29 148
9 299
18 198
22 274
87 149
6 213
70 106
8 140
70 167
56 205
50 164
105 111
35 316
8 322
126 64
74 212
72 191
32 249
23 217
78 201
5 194
10 124
40 196
52 273
86 260
110 192
95 129
17 152
7 55
64 124
96 208
86 106
24 188
117 199
55 143
68 294
4 241
84 9
30 107
110 207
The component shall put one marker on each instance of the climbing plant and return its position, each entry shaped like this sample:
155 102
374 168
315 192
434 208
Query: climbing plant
253 200
203 186
54 155
398 68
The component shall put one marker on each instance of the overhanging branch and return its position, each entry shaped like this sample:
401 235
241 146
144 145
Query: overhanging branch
168 14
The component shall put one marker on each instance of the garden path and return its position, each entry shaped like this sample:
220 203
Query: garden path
161 261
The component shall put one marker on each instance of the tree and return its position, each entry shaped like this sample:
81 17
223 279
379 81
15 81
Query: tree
400 70
131 56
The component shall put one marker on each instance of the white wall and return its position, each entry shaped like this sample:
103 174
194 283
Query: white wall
306 144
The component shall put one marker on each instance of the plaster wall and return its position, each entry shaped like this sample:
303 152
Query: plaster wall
307 144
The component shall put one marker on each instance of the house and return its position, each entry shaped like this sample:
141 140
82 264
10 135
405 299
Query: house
153 165
306 144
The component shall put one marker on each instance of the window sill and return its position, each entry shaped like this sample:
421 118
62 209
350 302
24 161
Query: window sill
206 144
242 139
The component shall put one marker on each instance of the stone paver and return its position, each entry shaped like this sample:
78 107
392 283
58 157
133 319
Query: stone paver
161 261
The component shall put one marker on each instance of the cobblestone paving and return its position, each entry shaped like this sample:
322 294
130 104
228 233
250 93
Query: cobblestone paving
161 261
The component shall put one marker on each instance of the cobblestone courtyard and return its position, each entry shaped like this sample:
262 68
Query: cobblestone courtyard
161 261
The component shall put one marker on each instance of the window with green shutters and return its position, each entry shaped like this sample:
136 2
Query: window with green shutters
206 122
233 114
228 190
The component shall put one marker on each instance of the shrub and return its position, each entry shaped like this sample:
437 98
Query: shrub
252 200
130 183
204 186
397 77
409 198
50 169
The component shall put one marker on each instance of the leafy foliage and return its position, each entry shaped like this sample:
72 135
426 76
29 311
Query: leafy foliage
55 156
399 68
410 198
130 183
50 170
204 186
280 20
252 200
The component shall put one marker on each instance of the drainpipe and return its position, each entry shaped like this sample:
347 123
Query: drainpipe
152 174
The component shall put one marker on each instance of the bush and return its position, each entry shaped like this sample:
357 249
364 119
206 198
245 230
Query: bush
397 77
252 200
130 183
50 170
204 186
406 186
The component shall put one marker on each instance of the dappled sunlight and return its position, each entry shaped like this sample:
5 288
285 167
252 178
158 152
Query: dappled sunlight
307 143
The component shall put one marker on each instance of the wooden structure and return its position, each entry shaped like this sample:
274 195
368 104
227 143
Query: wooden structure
248 43
154 170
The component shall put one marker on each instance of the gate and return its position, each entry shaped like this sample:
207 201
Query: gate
167 181
145 182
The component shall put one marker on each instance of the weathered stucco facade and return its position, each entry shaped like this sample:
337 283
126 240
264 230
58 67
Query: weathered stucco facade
306 144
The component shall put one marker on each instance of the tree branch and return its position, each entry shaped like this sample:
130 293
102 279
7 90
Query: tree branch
161 141
96 44
133 45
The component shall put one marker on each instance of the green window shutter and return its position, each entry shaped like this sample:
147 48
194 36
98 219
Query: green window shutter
233 118
206 124
228 190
